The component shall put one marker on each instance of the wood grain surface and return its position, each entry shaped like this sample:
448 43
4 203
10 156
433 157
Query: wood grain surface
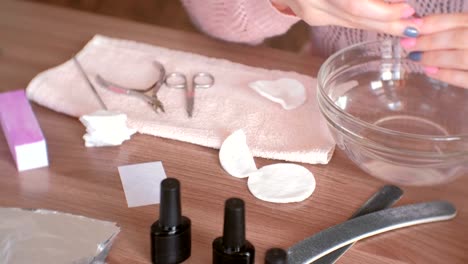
85 181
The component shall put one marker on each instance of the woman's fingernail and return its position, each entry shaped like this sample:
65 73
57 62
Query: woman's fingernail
415 56
411 32
408 43
407 12
431 70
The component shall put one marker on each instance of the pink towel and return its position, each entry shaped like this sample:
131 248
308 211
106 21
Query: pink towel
298 135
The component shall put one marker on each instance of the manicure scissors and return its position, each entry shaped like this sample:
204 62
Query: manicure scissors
199 80
152 100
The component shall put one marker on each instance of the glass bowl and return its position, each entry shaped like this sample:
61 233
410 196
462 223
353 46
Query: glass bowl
392 120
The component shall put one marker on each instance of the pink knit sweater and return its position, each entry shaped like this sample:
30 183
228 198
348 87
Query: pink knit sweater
251 21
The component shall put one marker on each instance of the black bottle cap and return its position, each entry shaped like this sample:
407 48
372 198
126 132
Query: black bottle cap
276 256
171 234
169 210
234 224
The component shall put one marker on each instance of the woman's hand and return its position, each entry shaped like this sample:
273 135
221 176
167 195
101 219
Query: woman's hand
374 15
442 47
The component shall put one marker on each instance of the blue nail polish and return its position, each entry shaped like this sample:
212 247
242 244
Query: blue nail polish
415 55
411 32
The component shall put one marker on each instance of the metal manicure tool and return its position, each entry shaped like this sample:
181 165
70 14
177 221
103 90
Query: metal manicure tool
83 73
171 80
331 239
199 80
152 100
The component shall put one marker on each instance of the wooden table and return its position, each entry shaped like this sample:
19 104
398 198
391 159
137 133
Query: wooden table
85 181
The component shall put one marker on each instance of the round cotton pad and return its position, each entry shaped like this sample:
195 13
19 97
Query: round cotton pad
282 183
289 93
235 156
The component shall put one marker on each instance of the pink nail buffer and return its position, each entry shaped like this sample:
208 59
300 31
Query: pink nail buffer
22 131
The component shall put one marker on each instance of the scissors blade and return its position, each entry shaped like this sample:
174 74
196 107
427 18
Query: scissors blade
189 105
190 99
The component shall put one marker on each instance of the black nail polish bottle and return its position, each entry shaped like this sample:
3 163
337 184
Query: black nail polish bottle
276 256
170 235
232 247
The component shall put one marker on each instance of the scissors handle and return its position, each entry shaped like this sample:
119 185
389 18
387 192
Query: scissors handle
176 80
126 90
199 80
203 80
110 86
153 101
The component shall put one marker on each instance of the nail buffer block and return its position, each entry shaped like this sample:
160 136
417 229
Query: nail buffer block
22 131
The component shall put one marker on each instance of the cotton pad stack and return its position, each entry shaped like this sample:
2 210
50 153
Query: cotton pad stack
277 183
106 128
